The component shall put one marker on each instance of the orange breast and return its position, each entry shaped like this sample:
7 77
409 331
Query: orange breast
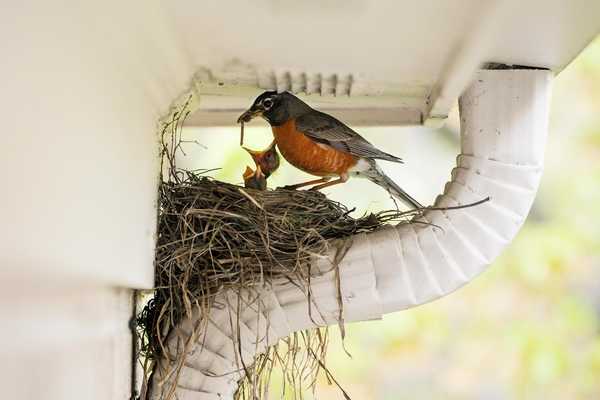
308 155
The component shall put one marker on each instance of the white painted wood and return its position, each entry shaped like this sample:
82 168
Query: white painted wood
377 116
504 121
81 95
83 85
461 65
64 342
420 53
535 33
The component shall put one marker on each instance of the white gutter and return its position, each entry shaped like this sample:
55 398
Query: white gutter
504 119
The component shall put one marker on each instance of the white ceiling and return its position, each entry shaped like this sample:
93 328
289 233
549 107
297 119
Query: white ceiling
410 60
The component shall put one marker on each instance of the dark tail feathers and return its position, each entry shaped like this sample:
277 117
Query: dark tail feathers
388 184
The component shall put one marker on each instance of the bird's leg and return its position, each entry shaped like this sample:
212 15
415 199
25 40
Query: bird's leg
313 182
342 179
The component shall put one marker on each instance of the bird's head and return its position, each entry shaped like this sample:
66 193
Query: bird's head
276 108
254 179
267 159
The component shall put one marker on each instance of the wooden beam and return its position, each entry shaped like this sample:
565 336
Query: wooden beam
352 116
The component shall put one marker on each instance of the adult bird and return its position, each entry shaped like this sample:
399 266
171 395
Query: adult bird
321 145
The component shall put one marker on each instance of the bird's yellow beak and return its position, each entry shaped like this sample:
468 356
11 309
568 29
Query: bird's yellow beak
251 152
248 173
254 154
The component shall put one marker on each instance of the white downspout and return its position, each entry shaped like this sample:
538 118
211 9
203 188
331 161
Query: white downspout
504 120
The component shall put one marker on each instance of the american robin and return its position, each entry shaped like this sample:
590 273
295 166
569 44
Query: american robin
321 145
267 159
254 179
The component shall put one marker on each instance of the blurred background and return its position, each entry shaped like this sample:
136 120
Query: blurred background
528 328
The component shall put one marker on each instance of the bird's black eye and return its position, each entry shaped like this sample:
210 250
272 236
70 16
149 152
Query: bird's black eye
267 103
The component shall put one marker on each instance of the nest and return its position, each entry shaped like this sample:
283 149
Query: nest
215 236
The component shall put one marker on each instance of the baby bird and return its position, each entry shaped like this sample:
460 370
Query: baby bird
254 179
267 159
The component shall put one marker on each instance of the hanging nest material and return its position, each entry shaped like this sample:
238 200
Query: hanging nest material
214 236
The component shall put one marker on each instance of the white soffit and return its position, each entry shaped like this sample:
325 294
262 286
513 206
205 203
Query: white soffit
376 62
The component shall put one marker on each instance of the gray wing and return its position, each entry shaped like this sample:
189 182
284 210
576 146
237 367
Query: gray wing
325 129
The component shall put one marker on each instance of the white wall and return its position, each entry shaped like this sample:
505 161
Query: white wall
65 342
82 87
